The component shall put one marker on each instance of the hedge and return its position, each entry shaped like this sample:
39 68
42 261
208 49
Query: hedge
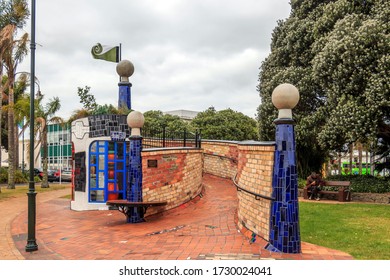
359 183
364 183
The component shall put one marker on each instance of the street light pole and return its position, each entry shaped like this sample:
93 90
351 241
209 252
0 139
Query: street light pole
60 160
31 195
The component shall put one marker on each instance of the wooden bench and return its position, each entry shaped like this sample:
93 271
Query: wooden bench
125 206
343 193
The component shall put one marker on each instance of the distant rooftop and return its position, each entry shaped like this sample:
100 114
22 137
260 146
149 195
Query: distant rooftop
183 114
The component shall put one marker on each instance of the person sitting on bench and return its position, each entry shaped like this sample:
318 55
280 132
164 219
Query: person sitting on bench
314 183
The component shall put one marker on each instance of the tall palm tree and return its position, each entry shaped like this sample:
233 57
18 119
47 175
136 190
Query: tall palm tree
45 115
13 56
13 16
5 34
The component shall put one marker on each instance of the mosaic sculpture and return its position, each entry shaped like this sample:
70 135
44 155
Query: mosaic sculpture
284 221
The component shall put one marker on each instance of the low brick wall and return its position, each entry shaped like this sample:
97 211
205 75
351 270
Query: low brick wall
175 175
254 181
220 158
172 175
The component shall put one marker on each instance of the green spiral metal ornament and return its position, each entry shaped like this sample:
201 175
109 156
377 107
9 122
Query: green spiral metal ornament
109 53
97 49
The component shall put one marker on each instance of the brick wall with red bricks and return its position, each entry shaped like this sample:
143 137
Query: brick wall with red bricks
173 175
177 178
255 167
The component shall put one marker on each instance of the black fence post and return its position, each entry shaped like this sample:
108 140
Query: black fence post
164 137
185 138
198 139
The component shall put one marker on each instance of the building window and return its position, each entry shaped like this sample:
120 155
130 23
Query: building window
107 171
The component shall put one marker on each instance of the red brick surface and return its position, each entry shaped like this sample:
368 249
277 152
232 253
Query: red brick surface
203 228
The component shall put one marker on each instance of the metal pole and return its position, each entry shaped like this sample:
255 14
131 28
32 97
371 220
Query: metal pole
31 195
60 160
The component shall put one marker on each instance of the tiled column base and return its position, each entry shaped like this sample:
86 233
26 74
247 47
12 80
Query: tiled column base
284 220
134 184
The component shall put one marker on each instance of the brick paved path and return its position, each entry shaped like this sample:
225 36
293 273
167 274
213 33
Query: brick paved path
11 208
202 229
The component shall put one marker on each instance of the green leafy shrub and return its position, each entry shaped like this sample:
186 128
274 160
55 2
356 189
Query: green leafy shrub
3 175
364 183
301 183
20 177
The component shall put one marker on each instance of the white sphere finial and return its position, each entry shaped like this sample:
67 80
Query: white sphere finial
125 69
285 97
136 121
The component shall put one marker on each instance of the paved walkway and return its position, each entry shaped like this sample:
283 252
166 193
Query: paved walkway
13 207
202 229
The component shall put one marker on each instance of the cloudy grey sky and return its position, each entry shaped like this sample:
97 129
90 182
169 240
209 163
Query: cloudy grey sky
188 54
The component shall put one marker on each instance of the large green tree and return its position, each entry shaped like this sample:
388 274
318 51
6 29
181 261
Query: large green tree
337 54
156 120
225 125
12 17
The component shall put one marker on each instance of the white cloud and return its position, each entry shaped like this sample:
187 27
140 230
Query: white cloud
187 54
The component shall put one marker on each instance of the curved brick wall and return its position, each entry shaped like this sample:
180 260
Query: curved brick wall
177 178
220 158
255 166
250 165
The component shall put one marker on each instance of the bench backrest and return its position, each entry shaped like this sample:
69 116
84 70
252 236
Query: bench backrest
338 183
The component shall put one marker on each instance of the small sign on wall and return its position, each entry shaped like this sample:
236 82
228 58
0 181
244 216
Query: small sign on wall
152 163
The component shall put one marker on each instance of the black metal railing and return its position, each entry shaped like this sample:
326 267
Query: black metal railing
256 195
165 138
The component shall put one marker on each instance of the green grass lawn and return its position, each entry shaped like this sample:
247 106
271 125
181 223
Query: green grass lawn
21 190
362 230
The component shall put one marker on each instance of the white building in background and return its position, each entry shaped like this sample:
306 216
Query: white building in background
186 115
59 150
24 156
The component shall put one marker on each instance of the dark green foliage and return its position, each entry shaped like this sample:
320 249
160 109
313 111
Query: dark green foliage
88 100
155 121
225 125
105 110
336 53
19 176
364 183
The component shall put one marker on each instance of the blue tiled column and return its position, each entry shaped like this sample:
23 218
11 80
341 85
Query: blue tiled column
134 190
124 99
284 221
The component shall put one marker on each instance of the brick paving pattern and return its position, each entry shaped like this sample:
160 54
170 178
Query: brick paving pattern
203 229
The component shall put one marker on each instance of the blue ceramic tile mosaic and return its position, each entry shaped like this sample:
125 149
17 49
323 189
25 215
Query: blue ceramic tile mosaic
284 221
134 184
135 171
124 100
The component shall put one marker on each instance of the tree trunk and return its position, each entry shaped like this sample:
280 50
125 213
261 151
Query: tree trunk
1 104
360 149
11 138
367 164
16 147
372 163
339 163
45 183
350 158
